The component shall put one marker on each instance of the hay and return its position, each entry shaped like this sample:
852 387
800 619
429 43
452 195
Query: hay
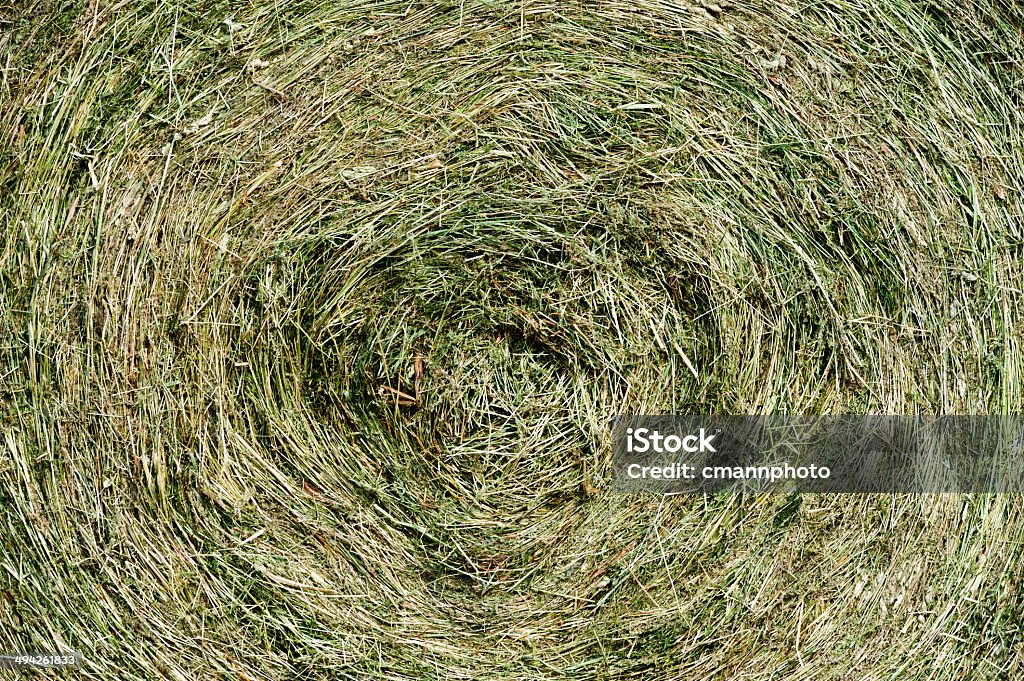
314 314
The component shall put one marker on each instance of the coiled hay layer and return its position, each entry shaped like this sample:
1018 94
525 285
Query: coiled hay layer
313 315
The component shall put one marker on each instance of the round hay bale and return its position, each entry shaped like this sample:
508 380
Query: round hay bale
315 315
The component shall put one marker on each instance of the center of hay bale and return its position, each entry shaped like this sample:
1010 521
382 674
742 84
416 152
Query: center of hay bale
448 370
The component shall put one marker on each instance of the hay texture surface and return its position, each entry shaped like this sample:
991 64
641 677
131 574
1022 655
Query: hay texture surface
313 315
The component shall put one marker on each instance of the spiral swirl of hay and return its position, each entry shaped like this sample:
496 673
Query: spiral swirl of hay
315 314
